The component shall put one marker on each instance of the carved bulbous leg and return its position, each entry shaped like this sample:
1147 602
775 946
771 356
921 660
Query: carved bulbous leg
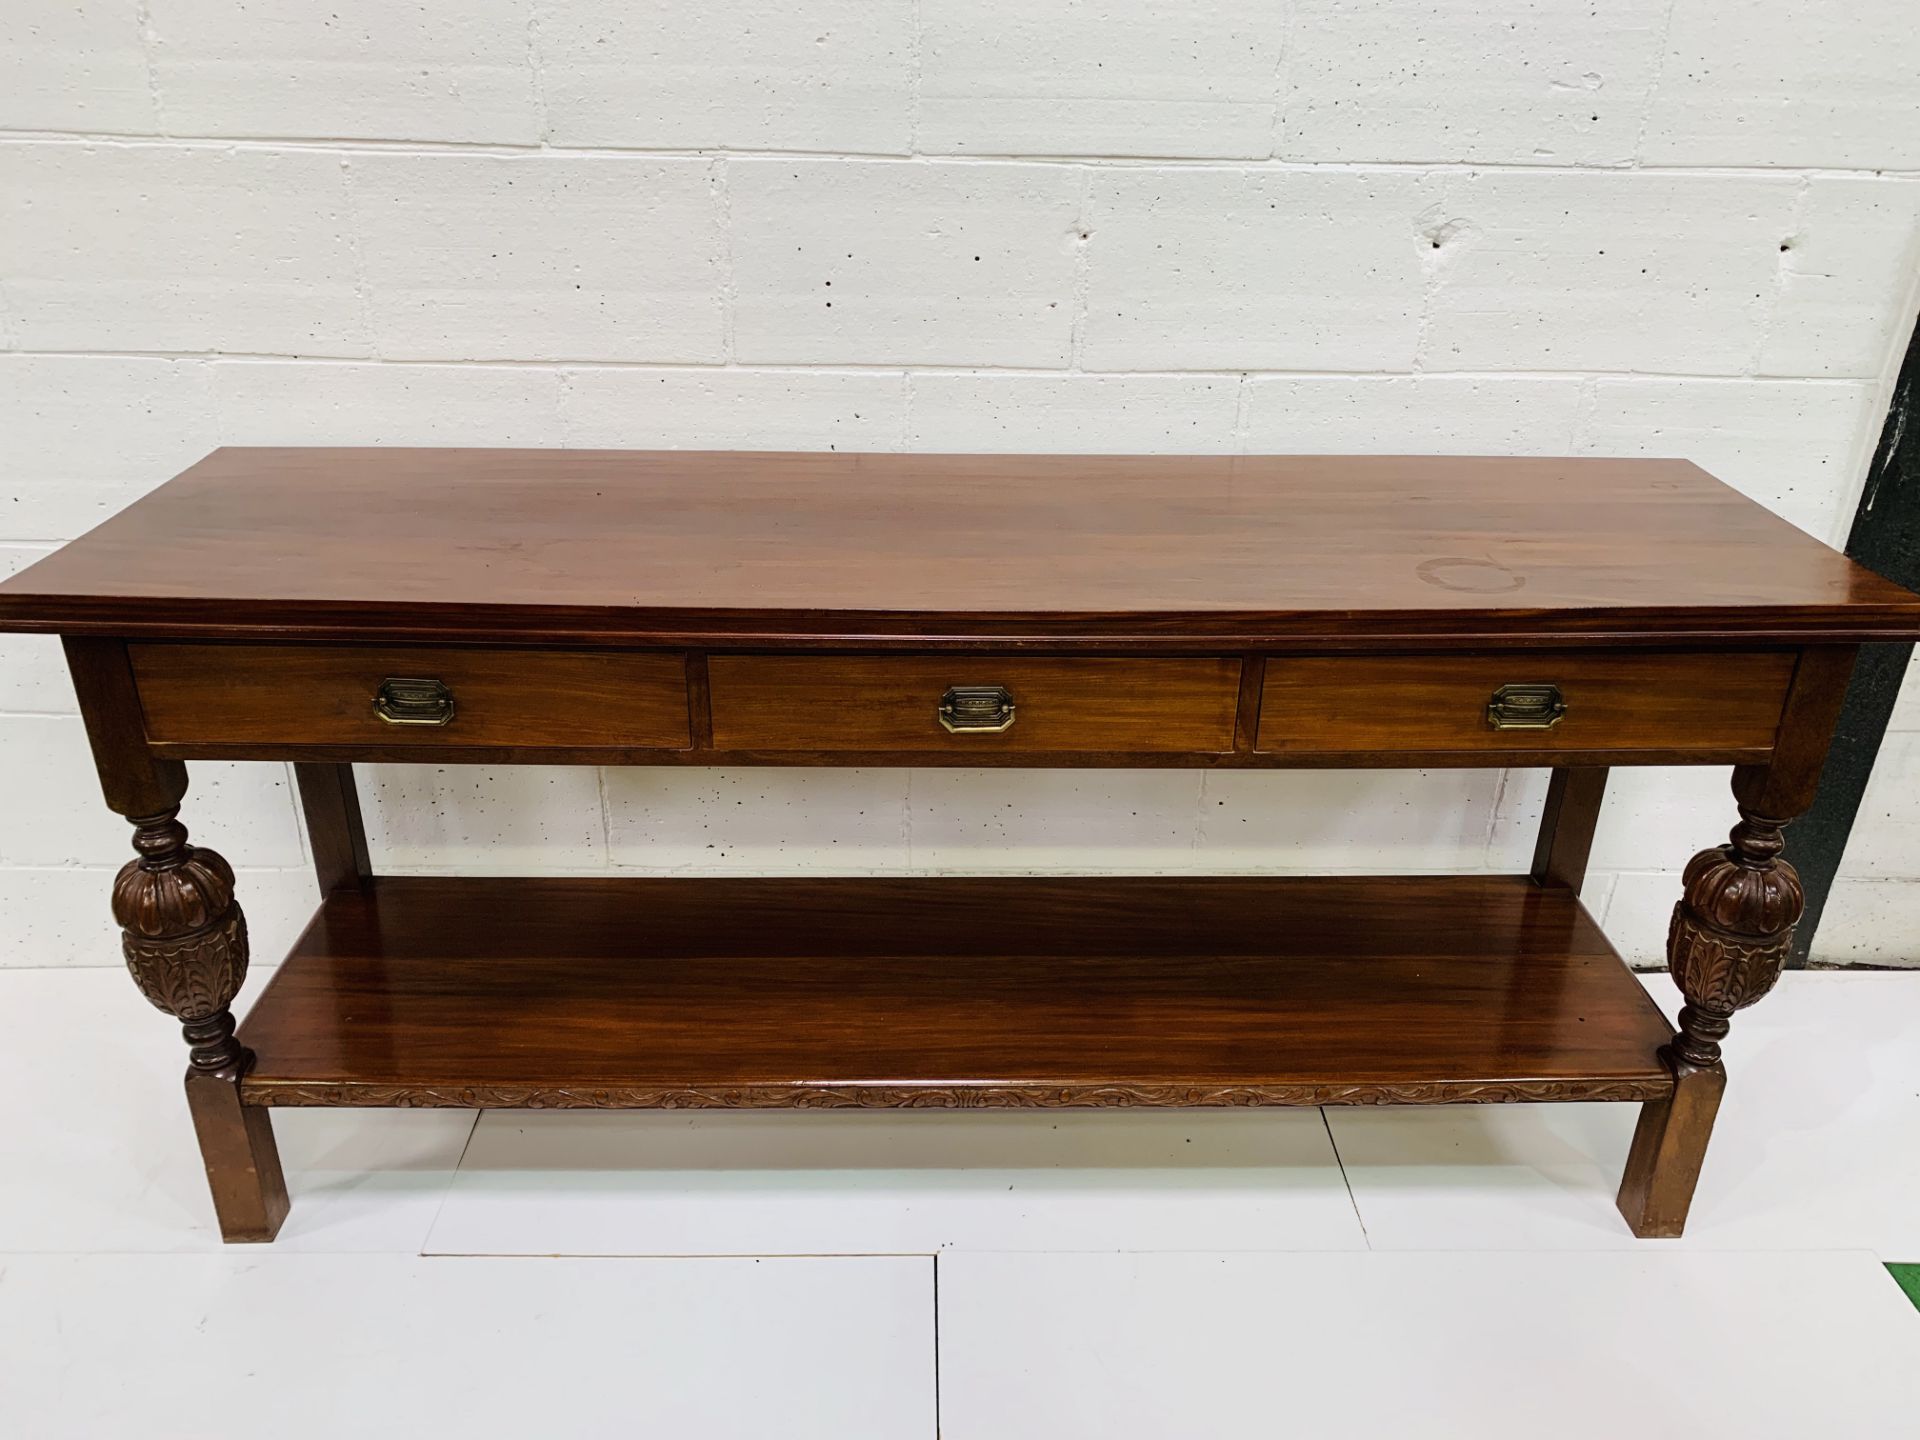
1730 935
1731 932
184 937
185 942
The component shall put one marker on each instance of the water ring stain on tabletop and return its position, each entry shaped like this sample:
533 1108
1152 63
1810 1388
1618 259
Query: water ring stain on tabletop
1468 575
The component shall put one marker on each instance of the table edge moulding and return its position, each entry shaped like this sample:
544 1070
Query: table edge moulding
331 606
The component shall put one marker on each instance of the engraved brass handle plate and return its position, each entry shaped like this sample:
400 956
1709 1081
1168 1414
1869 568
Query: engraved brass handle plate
976 709
402 700
1526 707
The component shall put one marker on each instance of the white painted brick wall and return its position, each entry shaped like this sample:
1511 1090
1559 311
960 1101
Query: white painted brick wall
750 822
74 65
1855 242
1873 915
830 75
177 247
477 818
1652 227
33 678
1235 269
841 262
1788 444
539 257
294 402
1604 271
1431 414
1547 83
84 436
1119 414
1747 82
1906 713
1070 77
670 409
359 69
40 755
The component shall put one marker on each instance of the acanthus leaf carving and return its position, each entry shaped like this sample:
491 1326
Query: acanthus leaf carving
184 937
936 1097
1731 932
195 976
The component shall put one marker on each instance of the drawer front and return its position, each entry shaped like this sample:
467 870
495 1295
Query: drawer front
325 695
894 703
1523 701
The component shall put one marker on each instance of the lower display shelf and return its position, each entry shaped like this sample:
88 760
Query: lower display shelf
662 993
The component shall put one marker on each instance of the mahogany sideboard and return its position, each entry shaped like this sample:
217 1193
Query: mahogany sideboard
328 606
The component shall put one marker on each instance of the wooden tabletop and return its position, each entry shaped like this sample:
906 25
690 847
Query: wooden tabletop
579 547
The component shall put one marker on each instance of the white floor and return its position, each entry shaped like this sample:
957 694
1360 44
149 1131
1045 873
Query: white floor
1112 1274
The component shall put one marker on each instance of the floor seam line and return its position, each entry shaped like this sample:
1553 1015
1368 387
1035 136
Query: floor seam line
452 1175
936 1344
1346 1179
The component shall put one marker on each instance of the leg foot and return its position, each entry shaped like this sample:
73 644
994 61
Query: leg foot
243 1163
1669 1145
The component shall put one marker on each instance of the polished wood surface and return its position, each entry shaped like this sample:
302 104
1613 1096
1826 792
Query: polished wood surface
336 831
676 609
1669 1147
892 702
323 695
134 782
952 992
313 704
798 549
1721 704
242 1162
1567 822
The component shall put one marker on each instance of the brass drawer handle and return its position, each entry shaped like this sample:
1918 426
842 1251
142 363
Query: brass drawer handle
1526 707
401 700
976 709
